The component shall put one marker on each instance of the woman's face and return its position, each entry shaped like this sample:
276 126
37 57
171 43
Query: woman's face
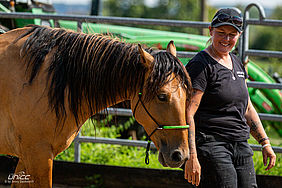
224 38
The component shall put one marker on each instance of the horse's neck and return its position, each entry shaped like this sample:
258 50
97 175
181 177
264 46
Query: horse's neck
87 114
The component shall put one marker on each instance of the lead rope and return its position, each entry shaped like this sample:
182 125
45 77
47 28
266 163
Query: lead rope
147 160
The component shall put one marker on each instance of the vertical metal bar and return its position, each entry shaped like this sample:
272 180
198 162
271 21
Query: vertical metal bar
95 7
56 23
77 149
245 45
100 12
240 46
79 26
203 16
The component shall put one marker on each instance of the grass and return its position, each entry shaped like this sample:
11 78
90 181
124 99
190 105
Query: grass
117 155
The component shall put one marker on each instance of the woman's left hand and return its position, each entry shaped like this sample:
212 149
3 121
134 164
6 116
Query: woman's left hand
193 170
268 152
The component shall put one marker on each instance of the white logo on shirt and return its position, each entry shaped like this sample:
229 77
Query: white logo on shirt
241 74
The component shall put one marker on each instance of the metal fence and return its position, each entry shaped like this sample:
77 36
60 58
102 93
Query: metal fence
244 52
244 42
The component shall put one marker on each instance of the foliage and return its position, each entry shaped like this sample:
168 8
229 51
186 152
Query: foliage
133 156
165 9
261 37
268 38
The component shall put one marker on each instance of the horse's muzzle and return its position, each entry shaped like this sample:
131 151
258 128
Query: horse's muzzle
173 159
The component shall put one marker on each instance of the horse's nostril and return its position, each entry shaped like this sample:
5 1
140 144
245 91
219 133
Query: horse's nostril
176 156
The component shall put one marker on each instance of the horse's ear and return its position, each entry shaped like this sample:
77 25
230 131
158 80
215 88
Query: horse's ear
146 58
171 48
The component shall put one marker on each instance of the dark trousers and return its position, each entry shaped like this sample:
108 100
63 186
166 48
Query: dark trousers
225 164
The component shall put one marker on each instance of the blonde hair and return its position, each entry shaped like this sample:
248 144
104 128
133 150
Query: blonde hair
210 40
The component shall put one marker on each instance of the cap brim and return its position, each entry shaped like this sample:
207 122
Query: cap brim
227 23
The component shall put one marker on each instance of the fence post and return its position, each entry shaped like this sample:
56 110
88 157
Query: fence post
245 45
56 23
79 26
77 149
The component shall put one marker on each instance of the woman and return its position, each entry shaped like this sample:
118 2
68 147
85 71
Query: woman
221 115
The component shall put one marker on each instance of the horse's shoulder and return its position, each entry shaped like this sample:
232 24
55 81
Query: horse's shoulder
17 31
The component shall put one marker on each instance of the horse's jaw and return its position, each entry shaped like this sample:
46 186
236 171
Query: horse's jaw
161 160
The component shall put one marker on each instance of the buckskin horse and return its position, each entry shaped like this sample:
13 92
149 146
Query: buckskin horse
53 80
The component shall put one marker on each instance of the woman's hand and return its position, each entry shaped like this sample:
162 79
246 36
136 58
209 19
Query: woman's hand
193 170
259 134
268 152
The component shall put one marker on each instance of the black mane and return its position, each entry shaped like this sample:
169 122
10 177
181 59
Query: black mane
93 67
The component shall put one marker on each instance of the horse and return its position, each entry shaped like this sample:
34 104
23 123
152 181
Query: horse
52 80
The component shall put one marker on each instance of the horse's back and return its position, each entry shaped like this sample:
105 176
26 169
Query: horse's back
10 50
9 37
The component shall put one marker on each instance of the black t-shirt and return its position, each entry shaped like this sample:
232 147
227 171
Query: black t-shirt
225 99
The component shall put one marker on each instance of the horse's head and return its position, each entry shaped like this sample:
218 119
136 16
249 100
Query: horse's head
161 101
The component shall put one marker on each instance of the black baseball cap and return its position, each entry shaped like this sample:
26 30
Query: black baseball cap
228 16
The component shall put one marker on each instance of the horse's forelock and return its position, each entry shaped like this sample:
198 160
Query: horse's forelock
164 65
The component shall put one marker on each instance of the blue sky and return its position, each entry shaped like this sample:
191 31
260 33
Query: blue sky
264 3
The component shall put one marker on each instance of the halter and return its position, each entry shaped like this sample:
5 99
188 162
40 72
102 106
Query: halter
160 127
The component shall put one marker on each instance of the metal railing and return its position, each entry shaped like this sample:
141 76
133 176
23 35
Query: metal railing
138 143
105 19
244 52
133 143
244 44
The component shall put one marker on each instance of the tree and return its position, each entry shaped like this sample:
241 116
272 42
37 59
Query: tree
269 38
165 9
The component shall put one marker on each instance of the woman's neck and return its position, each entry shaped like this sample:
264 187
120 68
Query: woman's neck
221 58
216 54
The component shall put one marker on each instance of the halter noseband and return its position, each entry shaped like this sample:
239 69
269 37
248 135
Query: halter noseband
160 127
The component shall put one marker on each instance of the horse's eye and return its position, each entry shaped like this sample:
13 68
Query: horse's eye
162 97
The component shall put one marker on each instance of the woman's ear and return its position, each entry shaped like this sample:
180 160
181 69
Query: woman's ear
210 30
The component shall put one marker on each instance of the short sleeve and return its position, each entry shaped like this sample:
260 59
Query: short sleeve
198 74
245 72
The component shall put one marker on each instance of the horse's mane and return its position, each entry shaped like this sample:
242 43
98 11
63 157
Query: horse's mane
93 67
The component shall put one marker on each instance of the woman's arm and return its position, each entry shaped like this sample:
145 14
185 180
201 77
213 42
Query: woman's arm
192 166
257 131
